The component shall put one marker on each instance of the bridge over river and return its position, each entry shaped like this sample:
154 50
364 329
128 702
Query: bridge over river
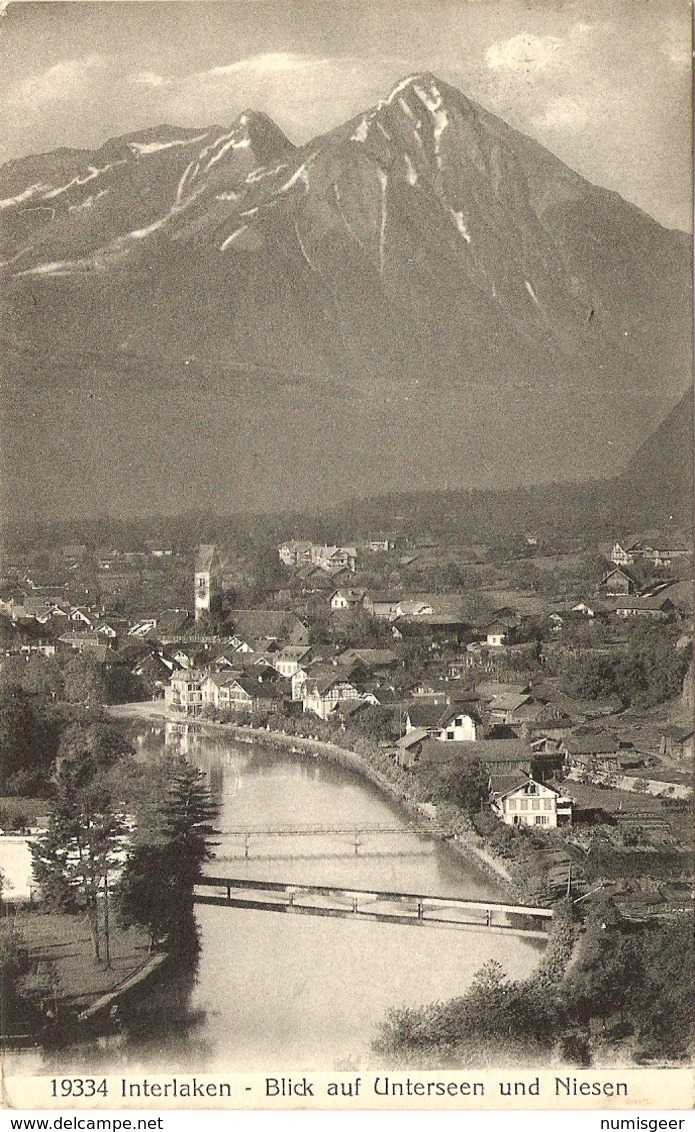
363 904
255 840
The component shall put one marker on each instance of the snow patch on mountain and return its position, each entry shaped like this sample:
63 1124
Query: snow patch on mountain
531 292
362 132
300 174
230 239
410 171
89 201
383 181
25 194
264 171
461 225
303 249
57 267
399 87
143 149
91 175
434 102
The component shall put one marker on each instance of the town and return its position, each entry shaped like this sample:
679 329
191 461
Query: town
577 703
535 698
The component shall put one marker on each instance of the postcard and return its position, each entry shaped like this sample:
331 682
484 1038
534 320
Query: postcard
346 687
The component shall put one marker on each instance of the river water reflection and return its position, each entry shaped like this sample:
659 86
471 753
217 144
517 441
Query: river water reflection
304 992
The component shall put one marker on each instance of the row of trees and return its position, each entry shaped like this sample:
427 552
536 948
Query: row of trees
71 678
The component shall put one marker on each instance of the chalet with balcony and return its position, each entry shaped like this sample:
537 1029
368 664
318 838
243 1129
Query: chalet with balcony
520 800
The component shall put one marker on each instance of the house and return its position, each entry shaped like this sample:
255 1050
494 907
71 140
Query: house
171 625
658 607
592 751
501 756
662 555
677 743
520 800
321 694
86 642
295 553
618 581
452 723
659 553
377 661
680 593
439 628
625 554
346 599
155 671
331 556
142 628
496 634
228 691
184 691
489 690
265 625
408 748
412 607
381 605
380 543
290 659
80 617
504 707
345 710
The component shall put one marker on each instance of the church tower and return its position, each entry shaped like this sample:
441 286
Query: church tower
205 577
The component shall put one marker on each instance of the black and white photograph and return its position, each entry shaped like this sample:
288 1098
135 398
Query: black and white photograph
346 565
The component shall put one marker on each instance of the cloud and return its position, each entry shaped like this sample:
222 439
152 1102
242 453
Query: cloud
561 115
268 64
149 79
523 52
304 93
62 81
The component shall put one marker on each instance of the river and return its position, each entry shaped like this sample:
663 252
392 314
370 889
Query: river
303 992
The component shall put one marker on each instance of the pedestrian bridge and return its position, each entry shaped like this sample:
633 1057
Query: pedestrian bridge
370 904
254 840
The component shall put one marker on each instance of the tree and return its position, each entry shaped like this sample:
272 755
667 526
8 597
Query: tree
27 743
156 890
81 847
466 786
83 681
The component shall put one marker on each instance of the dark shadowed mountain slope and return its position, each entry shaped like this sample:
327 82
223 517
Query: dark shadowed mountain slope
423 297
659 478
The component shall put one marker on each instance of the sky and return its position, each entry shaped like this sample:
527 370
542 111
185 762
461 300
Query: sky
604 84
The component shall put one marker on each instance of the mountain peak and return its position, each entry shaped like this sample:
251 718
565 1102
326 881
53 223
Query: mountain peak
264 135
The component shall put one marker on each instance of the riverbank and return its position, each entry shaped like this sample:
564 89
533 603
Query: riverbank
388 778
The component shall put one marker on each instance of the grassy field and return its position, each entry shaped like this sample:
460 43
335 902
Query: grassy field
65 974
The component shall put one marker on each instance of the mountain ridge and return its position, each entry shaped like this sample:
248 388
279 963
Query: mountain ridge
422 272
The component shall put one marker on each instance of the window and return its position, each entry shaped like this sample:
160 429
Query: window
450 734
511 804
547 803
524 804
542 819
535 804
